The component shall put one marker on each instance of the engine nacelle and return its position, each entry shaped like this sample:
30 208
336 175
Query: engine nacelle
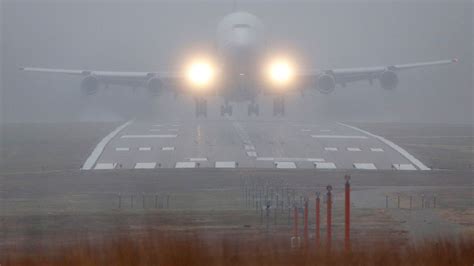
90 85
326 83
388 80
155 86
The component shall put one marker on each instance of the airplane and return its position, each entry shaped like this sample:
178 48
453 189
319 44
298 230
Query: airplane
241 72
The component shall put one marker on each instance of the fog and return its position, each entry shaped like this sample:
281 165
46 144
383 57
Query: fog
156 35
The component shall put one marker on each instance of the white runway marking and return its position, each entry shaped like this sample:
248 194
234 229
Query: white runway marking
353 149
314 159
305 130
122 149
330 149
144 149
229 164
365 166
265 159
285 165
394 146
105 166
155 130
249 147
148 136
288 159
376 149
145 165
324 130
185 165
198 159
167 149
338 137
408 166
101 146
157 125
325 165
251 154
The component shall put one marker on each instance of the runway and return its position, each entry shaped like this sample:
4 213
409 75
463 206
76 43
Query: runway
233 143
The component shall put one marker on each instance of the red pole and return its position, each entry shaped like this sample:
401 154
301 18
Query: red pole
347 227
295 233
318 224
306 222
329 217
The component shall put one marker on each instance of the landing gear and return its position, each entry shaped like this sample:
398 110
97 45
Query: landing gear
253 109
226 109
278 106
201 107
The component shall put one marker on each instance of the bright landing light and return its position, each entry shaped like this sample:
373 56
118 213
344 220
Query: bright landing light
200 73
281 72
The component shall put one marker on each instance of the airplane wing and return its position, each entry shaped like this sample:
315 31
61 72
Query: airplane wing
386 74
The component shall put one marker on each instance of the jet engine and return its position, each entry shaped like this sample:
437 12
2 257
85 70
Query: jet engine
90 85
388 80
326 83
155 86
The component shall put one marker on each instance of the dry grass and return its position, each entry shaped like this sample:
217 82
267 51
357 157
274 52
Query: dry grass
202 248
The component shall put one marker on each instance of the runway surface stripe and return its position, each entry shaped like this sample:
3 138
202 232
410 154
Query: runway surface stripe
198 159
144 149
330 149
353 149
325 165
167 149
249 147
185 165
338 137
324 130
376 149
101 146
148 136
365 166
404 166
394 146
285 165
230 164
105 166
145 165
251 154
155 130
122 149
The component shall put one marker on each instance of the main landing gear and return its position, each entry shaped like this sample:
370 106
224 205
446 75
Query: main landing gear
201 107
253 108
278 106
226 109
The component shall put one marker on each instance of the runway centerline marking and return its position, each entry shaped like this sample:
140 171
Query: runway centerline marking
148 136
394 146
330 149
338 137
353 149
167 149
99 149
144 149
122 149
376 149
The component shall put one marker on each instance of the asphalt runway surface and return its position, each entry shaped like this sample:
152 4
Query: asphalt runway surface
232 143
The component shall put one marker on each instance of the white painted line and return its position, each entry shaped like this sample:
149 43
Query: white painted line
105 166
249 147
251 154
229 164
157 125
338 137
144 149
325 165
198 159
101 146
408 166
365 166
376 149
394 146
167 149
285 165
122 149
145 165
324 130
265 159
185 165
148 136
315 159
353 149
330 149
305 130
155 130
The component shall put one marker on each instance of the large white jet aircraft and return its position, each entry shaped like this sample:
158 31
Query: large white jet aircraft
240 72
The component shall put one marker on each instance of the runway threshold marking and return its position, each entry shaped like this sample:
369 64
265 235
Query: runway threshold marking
229 164
338 137
330 149
94 156
353 149
148 136
144 149
324 165
408 166
105 166
394 146
285 165
145 165
365 166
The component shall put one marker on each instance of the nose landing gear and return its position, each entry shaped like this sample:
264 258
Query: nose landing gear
226 109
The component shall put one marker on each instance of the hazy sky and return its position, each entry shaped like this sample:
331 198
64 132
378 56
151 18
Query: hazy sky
155 35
